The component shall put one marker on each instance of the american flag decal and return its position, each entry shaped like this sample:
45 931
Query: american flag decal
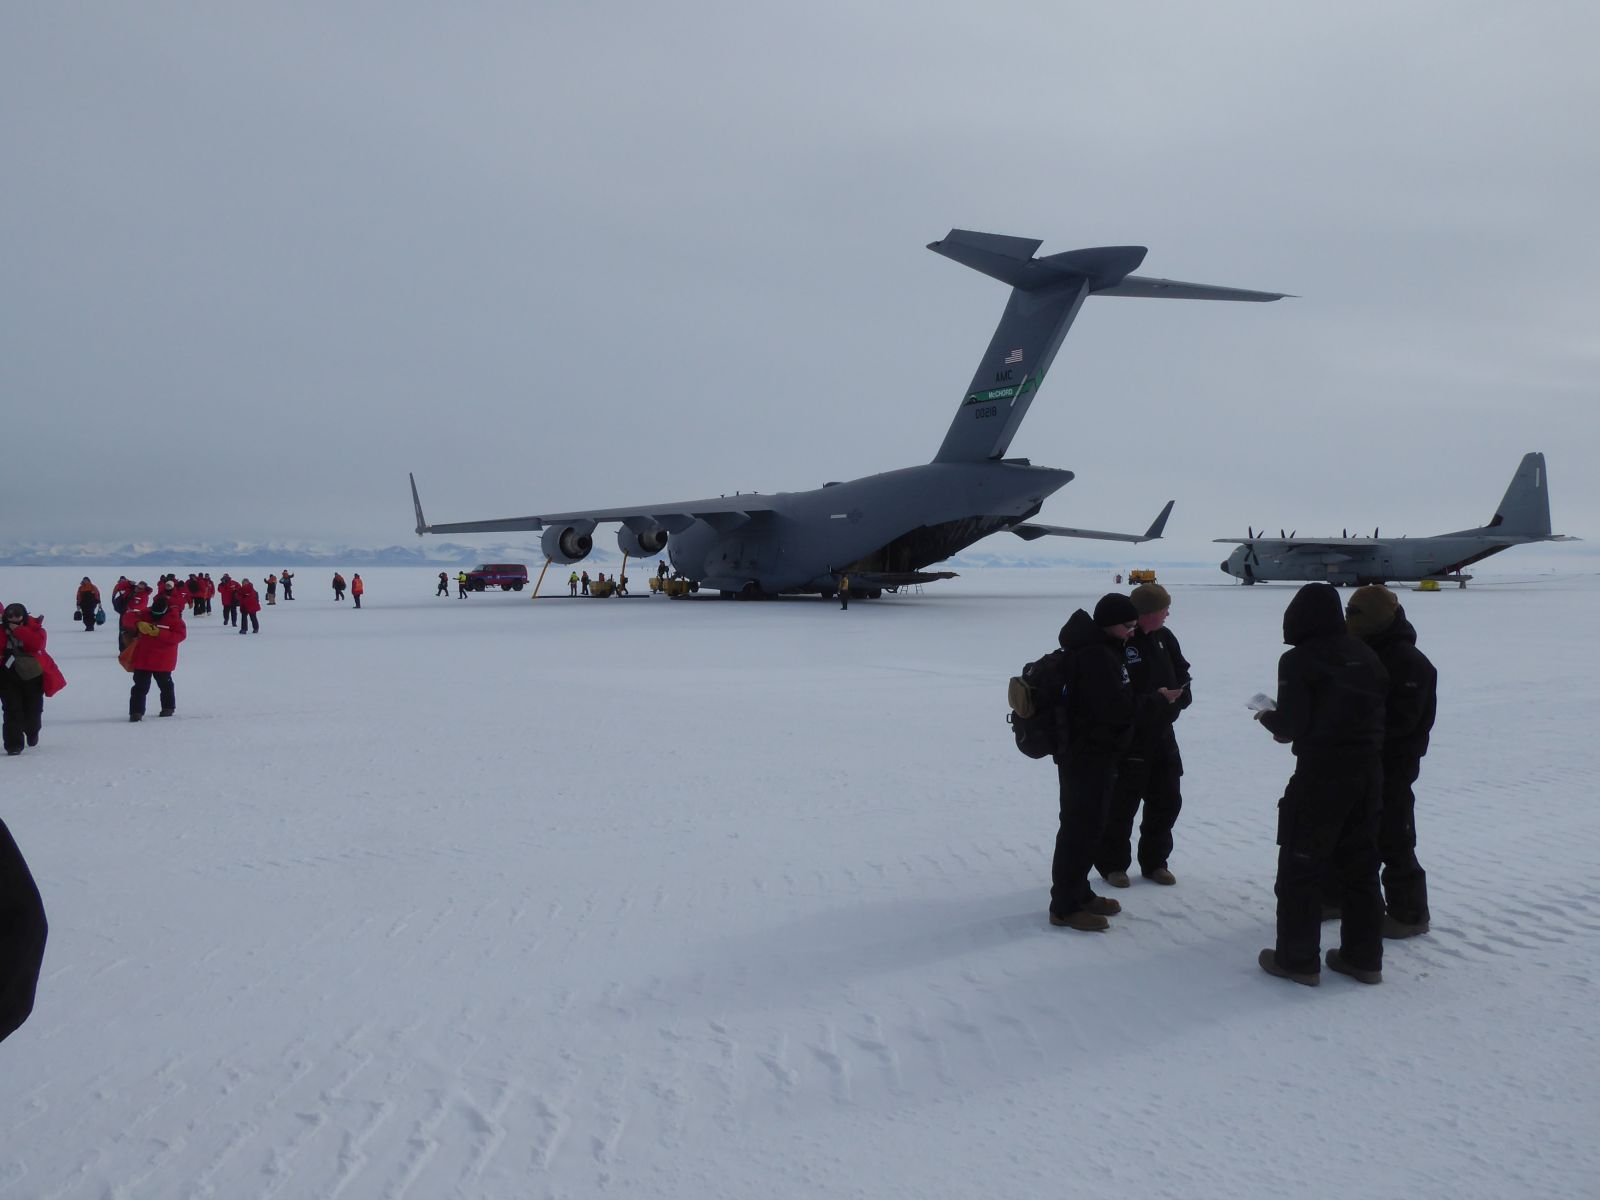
1014 357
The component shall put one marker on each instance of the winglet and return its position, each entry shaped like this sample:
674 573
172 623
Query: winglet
1150 535
416 503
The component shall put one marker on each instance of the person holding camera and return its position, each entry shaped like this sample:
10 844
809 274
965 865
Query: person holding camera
27 675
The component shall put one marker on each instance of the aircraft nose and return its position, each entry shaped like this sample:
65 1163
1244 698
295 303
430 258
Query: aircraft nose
1225 570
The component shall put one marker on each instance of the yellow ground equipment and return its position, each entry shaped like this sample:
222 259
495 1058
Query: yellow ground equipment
1141 575
673 587
603 587
1428 585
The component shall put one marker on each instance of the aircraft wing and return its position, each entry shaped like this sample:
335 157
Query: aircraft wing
725 512
1029 531
894 579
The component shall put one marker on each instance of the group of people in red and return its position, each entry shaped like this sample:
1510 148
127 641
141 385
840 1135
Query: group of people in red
150 625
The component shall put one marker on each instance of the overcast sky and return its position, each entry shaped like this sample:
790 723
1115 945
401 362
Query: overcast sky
262 260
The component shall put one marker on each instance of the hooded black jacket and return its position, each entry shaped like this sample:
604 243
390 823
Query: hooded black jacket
1331 687
23 930
1099 695
1413 690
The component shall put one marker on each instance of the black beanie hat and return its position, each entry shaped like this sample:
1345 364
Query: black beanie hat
1370 610
1115 609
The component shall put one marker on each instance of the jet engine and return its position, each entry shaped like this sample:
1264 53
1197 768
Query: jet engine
641 545
568 543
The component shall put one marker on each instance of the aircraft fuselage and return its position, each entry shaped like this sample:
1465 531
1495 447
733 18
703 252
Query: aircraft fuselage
1359 561
894 521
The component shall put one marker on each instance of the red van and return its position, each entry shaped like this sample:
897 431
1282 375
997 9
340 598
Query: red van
508 577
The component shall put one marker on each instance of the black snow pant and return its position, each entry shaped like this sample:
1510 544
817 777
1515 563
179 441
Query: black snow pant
1086 783
444 589
86 614
23 930
1405 883
141 689
356 596
230 614
288 589
1151 776
1328 837
248 622
23 704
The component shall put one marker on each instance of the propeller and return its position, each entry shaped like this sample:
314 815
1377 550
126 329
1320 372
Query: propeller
1374 533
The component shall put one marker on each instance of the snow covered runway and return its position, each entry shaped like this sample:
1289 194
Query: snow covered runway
686 898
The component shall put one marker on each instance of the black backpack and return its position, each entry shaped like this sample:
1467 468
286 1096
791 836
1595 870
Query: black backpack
1038 700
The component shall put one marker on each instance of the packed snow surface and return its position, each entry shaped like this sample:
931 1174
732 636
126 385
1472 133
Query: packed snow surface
660 898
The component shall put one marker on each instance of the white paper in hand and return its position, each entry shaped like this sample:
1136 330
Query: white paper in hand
1261 702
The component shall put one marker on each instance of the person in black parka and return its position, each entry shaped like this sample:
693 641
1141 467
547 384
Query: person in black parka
1151 770
23 930
1098 716
1374 614
1330 705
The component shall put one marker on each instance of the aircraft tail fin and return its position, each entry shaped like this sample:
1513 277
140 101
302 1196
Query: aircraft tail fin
1046 294
1525 508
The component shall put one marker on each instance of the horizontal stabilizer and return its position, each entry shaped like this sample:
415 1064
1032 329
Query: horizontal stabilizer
1010 260
1176 289
1029 532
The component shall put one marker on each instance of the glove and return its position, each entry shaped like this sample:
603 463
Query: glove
148 629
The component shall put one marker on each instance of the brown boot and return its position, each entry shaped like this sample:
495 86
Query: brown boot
1115 878
1162 876
1269 963
1336 962
1082 920
1102 906
1403 929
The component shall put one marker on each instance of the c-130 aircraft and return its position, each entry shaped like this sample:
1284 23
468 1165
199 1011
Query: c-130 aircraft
881 530
1523 516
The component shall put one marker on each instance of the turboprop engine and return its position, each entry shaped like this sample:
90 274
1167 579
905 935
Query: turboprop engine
641 545
568 543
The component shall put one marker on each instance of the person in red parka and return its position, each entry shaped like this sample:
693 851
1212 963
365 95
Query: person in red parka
27 676
177 593
155 656
88 599
357 589
133 610
249 605
228 593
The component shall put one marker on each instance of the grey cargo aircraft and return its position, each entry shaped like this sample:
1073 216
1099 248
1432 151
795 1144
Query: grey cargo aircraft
882 530
1523 516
